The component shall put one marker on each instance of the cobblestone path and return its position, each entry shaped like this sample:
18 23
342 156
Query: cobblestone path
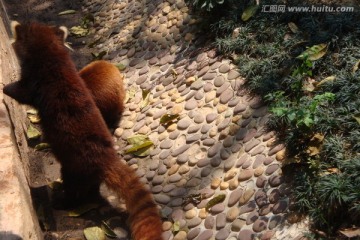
218 146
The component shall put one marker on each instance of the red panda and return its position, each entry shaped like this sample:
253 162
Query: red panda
72 124
105 83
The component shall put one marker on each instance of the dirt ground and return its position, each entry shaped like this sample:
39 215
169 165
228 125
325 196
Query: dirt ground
44 169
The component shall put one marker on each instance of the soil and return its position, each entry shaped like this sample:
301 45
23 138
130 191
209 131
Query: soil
44 169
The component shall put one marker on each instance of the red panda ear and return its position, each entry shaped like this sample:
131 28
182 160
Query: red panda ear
15 30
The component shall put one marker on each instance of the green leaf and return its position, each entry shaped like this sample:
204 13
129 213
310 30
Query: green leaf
145 98
141 145
94 233
120 66
70 11
218 199
176 227
34 118
314 52
79 31
83 209
167 118
249 12
42 146
357 117
107 230
32 132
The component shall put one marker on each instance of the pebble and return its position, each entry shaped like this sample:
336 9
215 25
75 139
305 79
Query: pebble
232 214
203 213
181 235
220 221
158 180
205 235
224 185
245 174
237 225
261 181
265 210
226 96
194 222
246 196
222 234
166 226
209 222
191 104
183 124
280 207
275 220
261 198
162 198
218 208
259 225
246 235
275 180
234 196
190 214
193 233
271 169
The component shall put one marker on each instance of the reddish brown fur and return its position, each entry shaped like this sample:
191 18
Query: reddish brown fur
106 85
74 127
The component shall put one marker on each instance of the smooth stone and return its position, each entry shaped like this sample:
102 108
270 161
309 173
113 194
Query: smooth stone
209 76
224 68
280 207
177 215
271 169
215 161
233 102
206 171
174 135
150 175
218 208
208 87
205 128
190 214
246 196
219 81
232 214
158 180
211 117
162 198
199 118
265 210
248 207
226 96
184 169
194 222
222 234
235 197
276 180
228 141
246 235
251 144
224 124
258 161
162 169
205 235
241 134
261 112
196 85
191 104
193 182
209 96
193 233
240 107
268 160
259 225
166 235
252 217
166 144
247 164
245 174
183 124
175 178
261 198
221 89
257 150
237 225
220 221
275 149
250 134
157 189
180 150
209 222
213 150
181 235
274 196
275 220
194 129
261 181
268 235
233 74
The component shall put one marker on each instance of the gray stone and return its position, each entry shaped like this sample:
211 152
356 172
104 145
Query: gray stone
248 207
261 198
224 68
219 81
206 171
208 87
158 180
275 149
150 175
222 234
180 150
194 222
218 208
246 235
209 76
257 150
237 225
205 235
167 188
242 132
241 160
268 160
156 189
193 233
162 198
215 161
193 138
233 102
258 161
175 178
194 129
224 124
252 217
205 128
250 134
240 107
221 89
271 169
280 207
224 154
191 104
234 197
245 174
233 74
261 181
251 144
199 118
209 222
275 221
214 149
274 195
164 154
174 135
183 124
275 180
226 96
265 210
166 144
220 220
211 117
259 225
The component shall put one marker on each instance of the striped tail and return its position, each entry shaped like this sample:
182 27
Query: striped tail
144 216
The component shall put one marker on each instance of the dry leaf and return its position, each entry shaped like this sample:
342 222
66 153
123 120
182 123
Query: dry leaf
32 132
314 52
94 233
79 31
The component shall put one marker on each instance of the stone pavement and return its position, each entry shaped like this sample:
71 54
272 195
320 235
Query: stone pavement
217 146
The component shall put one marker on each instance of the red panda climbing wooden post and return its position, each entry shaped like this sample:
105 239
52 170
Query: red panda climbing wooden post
72 124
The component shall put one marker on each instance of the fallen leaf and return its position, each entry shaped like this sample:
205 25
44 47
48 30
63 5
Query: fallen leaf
351 232
42 146
34 118
70 11
315 144
356 66
120 66
249 12
32 132
357 117
130 94
168 118
98 56
176 227
145 98
293 27
141 145
218 199
107 230
94 233
79 31
325 80
314 52
82 209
